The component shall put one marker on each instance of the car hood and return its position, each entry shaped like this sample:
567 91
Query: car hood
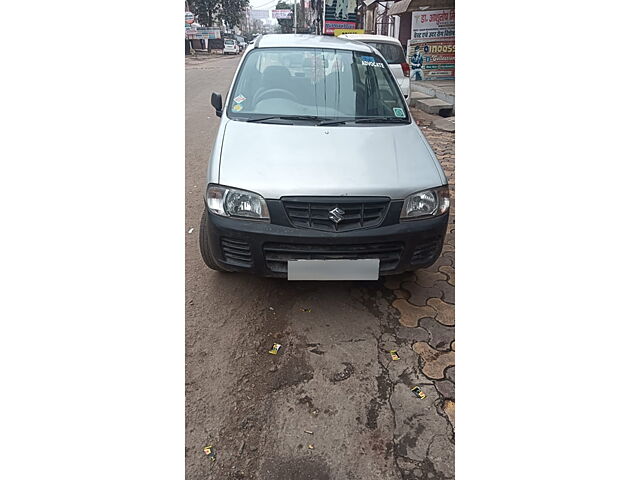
282 160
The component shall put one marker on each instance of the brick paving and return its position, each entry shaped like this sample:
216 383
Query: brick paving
425 302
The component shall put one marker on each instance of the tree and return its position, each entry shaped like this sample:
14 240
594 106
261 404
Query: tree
229 12
205 10
232 12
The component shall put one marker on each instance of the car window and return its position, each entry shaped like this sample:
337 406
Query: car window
327 83
391 52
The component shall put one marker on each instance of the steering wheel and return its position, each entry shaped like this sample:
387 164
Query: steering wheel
274 92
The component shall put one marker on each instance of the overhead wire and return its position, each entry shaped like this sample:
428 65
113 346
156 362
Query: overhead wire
264 5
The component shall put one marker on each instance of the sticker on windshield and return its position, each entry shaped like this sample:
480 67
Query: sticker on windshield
236 108
239 99
370 61
399 112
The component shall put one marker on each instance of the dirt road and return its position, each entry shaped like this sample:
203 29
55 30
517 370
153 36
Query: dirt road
332 404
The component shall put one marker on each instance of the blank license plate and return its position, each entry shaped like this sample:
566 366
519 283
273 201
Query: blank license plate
363 269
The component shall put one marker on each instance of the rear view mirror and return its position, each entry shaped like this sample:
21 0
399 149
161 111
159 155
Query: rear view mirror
216 102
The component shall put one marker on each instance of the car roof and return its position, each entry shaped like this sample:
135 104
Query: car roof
371 38
308 41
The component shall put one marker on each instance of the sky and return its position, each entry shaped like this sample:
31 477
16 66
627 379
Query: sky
263 4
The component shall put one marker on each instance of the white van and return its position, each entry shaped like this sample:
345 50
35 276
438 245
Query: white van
391 50
230 47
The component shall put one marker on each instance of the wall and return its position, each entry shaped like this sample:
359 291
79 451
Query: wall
405 28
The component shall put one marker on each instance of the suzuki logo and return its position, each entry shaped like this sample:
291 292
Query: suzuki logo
336 215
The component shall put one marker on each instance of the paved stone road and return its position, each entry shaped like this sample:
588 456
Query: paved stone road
333 376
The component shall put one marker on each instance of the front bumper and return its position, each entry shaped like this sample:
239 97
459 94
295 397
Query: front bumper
264 248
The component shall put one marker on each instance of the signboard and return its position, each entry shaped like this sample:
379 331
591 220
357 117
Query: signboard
331 26
339 14
432 59
201 33
188 18
281 14
260 14
342 31
433 24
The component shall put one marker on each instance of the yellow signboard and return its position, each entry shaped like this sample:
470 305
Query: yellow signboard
342 31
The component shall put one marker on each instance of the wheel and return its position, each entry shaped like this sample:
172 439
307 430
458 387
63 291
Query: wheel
205 249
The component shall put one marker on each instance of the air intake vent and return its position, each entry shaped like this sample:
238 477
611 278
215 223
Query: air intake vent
236 252
426 252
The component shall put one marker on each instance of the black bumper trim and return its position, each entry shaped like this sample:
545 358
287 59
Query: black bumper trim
257 240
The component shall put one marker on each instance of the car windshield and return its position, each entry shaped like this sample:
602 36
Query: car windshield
228 42
391 52
320 84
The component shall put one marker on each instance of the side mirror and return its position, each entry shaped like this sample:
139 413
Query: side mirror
216 102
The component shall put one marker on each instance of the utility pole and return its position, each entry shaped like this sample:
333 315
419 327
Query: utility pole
295 17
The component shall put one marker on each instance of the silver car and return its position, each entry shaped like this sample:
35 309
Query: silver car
318 170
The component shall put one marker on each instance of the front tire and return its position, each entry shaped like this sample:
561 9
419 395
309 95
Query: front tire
205 249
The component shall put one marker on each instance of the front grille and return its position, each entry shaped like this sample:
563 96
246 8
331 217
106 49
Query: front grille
426 252
236 252
278 254
315 214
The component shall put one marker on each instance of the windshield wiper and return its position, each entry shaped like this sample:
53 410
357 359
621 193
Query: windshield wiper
285 117
366 120
333 122
381 120
321 122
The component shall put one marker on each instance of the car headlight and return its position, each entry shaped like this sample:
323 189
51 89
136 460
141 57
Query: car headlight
231 202
428 203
